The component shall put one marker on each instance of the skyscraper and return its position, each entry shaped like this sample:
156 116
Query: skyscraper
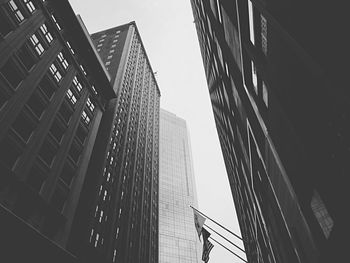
178 239
281 110
53 92
78 140
117 219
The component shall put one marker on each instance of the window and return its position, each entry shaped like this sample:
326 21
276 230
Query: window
98 49
23 126
111 51
83 69
71 97
36 104
57 130
101 216
62 60
96 240
26 56
114 45
93 89
75 151
55 21
15 10
47 87
107 63
67 174
77 84
85 118
36 44
99 45
110 56
11 73
55 73
115 40
90 105
101 40
251 21
5 25
36 178
254 77
81 133
58 199
46 33
263 23
265 94
65 112
9 152
47 152
30 6
321 214
70 47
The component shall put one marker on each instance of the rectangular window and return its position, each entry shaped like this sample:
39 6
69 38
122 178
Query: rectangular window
47 152
71 97
5 25
321 214
251 21
90 105
114 45
24 126
46 33
47 87
99 45
9 152
58 199
263 34
65 112
36 104
254 77
57 130
77 84
85 118
11 73
101 40
30 6
55 73
107 63
55 21
36 178
38 47
16 12
265 94
110 56
75 151
67 174
27 57
83 69
70 47
62 60
111 51
115 40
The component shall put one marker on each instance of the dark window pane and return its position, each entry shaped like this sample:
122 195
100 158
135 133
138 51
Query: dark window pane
58 199
36 104
23 126
67 174
5 25
75 151
65 112
57 130
81 133
11 73
36 178
9 153
47 87
4 96
47 152
26 57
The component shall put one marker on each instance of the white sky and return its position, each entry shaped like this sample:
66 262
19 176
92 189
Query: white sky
170 39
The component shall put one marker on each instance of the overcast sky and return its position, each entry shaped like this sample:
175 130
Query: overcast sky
170 39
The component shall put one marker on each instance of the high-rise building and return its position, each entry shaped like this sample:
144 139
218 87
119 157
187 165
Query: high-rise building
78 140
178 239
53 92
279 94
117 219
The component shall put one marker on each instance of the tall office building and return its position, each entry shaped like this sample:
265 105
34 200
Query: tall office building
53 92
178 239
78 140
117 219
278 88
